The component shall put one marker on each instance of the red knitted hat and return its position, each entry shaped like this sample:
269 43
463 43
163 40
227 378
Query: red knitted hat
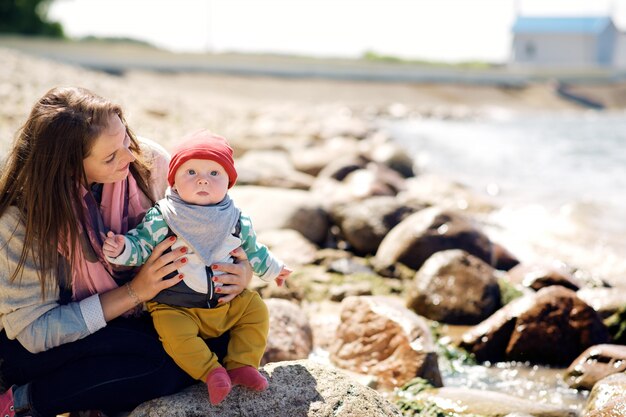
203 145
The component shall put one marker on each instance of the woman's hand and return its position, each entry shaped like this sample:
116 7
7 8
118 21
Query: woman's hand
149 280
147 283
236 277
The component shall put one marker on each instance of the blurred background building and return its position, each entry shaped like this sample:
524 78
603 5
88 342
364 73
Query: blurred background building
572 41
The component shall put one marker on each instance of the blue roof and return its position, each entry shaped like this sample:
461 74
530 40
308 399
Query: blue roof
536 24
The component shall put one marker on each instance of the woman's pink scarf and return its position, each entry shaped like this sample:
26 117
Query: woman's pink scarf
120 210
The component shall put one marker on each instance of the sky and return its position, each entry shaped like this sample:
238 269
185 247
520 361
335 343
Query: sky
434 30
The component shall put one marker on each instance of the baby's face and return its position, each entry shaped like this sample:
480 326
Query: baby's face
201 182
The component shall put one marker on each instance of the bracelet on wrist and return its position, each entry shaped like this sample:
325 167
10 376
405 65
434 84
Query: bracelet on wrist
132 294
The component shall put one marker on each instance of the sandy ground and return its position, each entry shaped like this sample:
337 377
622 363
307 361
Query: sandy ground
166 105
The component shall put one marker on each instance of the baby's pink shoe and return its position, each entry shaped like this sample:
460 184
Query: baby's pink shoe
249 377
218 384
6 404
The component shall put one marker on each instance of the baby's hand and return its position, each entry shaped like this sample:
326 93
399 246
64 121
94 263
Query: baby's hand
283 275
113 245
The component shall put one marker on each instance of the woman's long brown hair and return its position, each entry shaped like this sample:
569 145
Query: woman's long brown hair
44 171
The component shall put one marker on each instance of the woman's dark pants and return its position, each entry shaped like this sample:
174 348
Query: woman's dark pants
114 369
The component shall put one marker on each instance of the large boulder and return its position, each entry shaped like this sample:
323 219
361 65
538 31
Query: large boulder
552 327
297 388
378 336
277 208
290 336
608 397
364 224
428 231
454 287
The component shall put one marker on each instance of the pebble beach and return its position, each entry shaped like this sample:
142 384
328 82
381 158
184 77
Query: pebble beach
281 130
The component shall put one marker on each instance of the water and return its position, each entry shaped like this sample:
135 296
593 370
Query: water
536 383
558 180
542 384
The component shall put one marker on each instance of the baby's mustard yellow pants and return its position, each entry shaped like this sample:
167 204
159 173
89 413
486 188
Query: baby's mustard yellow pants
182 331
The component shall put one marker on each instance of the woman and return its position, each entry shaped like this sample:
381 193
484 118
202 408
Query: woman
72 333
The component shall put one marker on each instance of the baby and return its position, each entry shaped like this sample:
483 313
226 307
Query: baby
198 210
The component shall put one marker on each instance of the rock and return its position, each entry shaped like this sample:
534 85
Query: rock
267 290
594 364
324 319
289 246
270 169
461 401
552 326
431 190
538 276
393 156
454 287
338 169
428 231
616 407
338 293
275 208
343 123
349 266
519 414
605 391
502 258
354 183
290 335
313 159
297 388
375 179
364 224
378 336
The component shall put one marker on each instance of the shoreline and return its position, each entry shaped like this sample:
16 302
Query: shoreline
165 105
118 57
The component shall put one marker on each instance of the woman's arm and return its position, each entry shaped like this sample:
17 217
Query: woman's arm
40 323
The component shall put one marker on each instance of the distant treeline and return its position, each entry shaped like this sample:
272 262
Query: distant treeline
28 17
374 56
114 39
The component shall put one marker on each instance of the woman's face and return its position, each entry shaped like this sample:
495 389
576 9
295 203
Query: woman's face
110 158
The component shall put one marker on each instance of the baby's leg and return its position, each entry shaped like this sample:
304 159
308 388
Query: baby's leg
179 333
249 325
248 339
